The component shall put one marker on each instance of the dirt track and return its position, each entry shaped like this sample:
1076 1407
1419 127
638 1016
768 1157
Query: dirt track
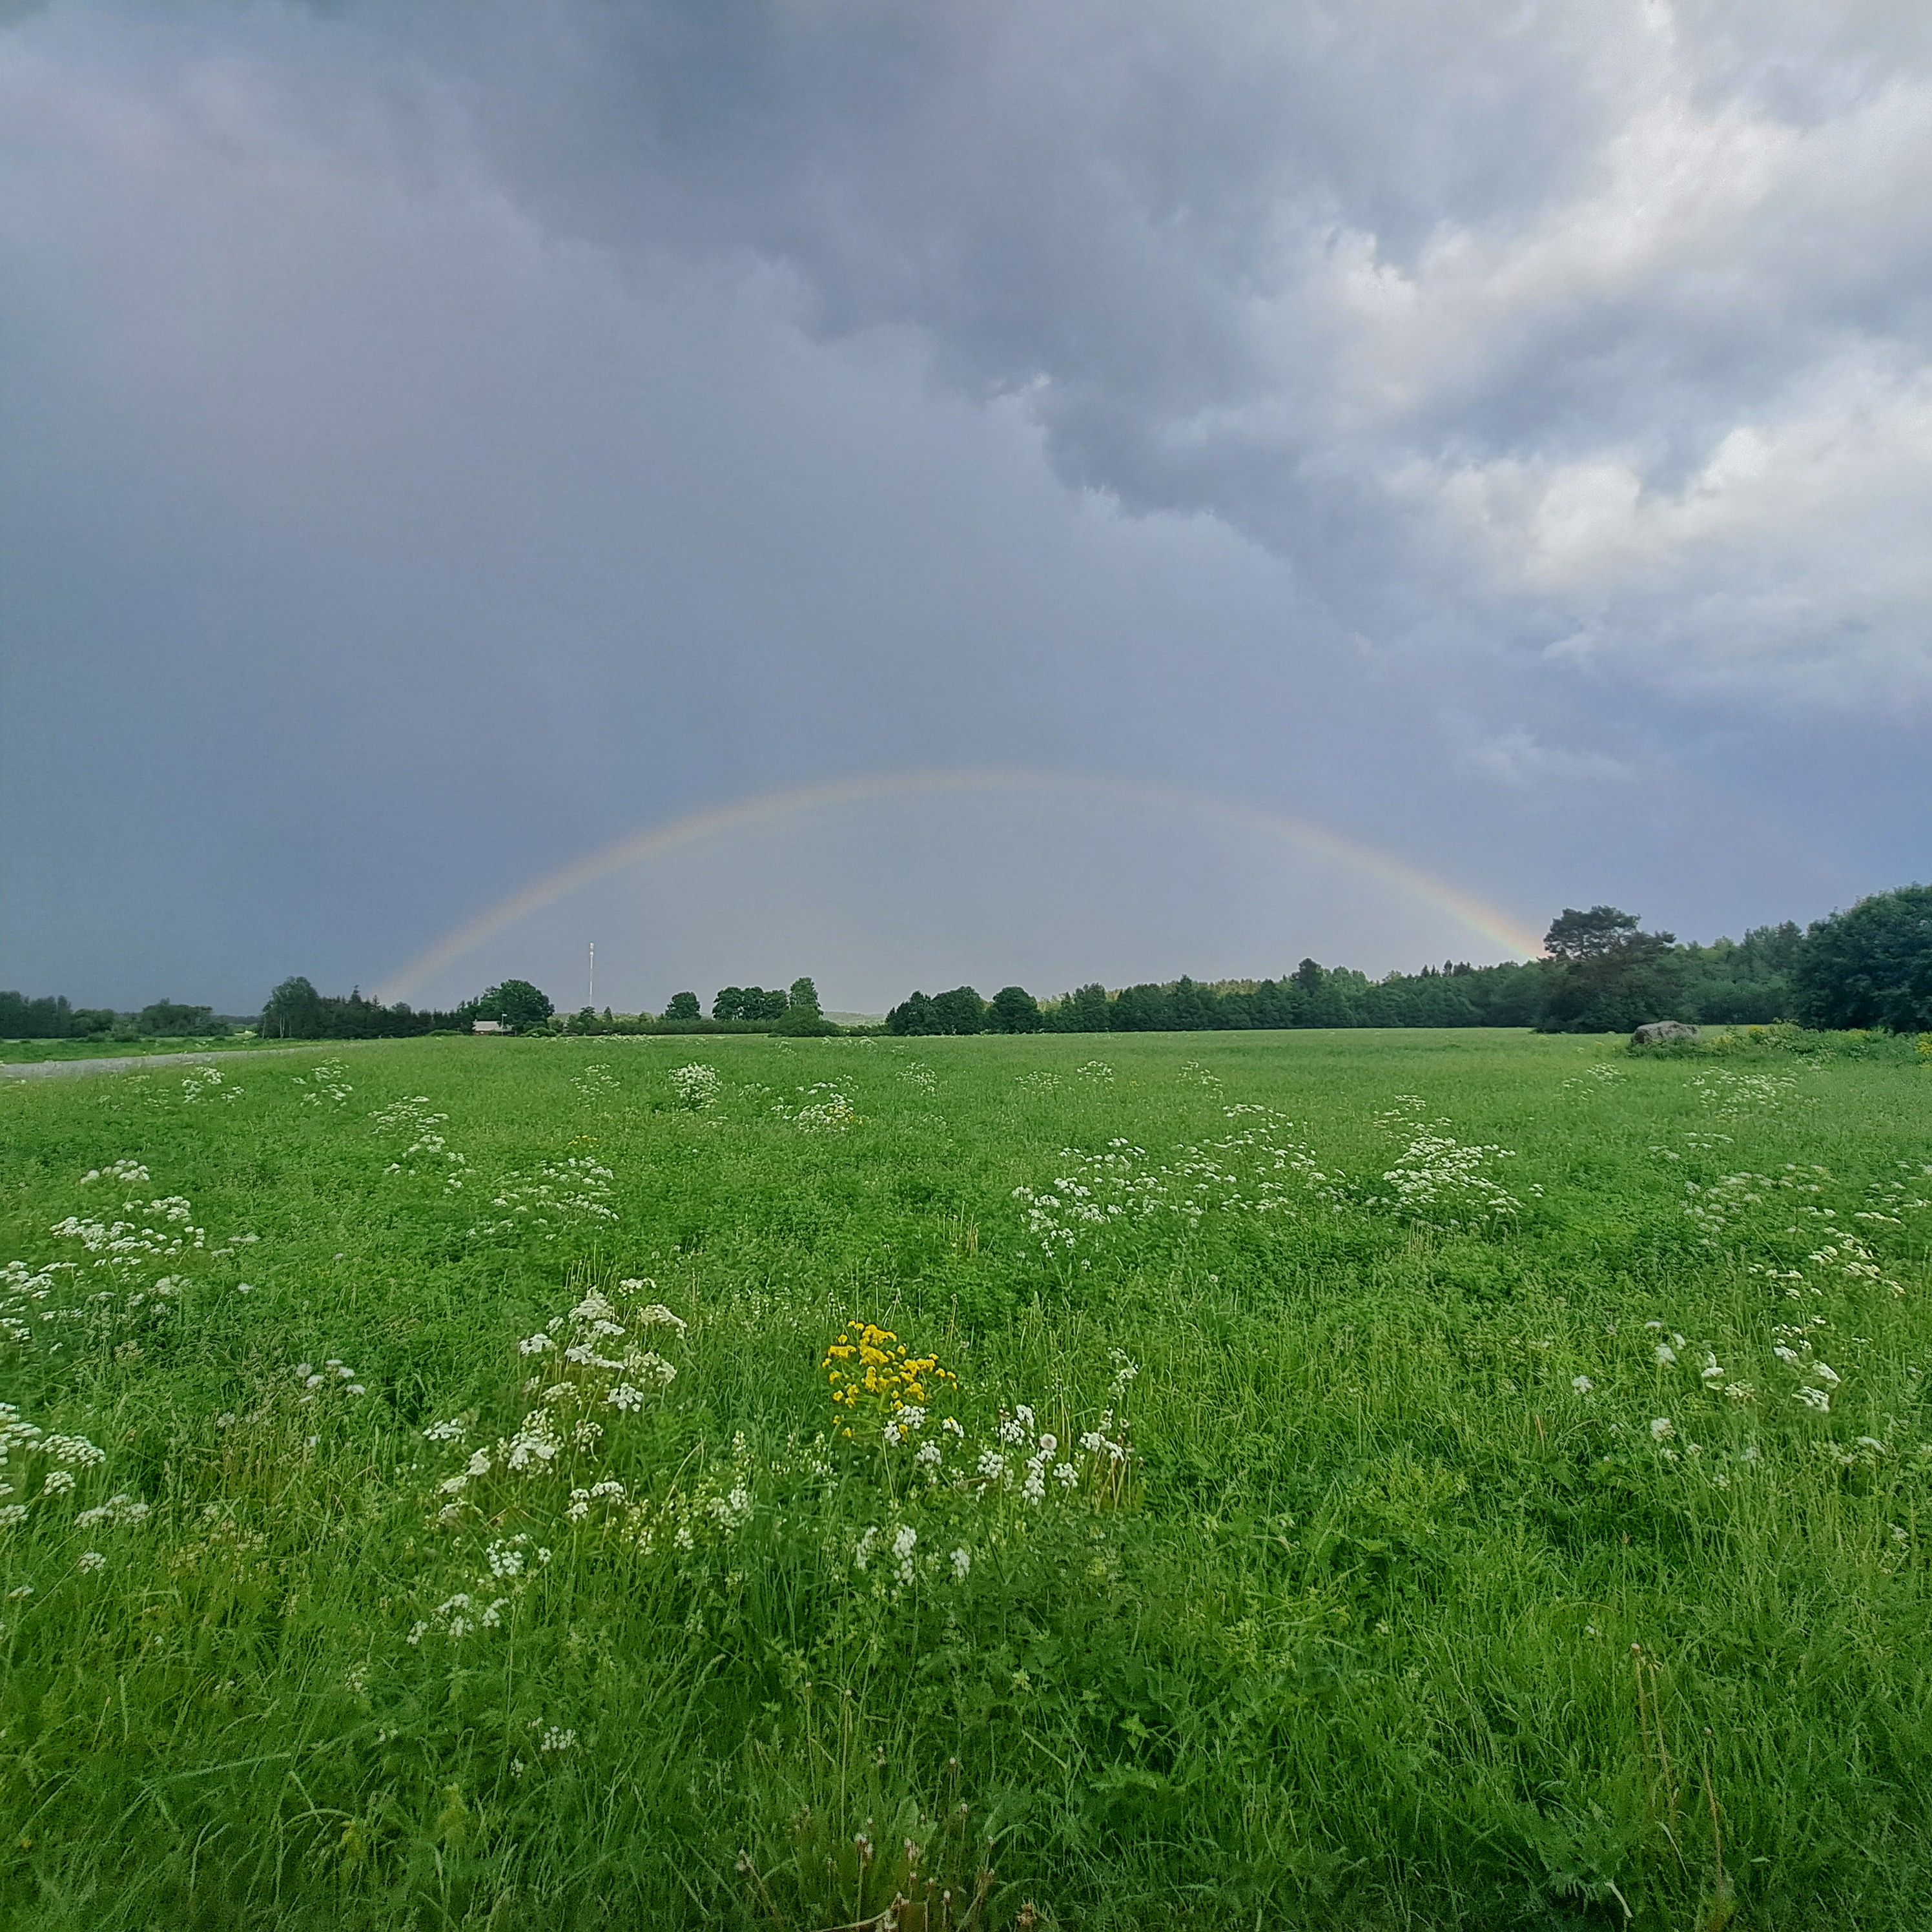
53 1069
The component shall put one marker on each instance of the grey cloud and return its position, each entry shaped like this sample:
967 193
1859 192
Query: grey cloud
443 438
1603 330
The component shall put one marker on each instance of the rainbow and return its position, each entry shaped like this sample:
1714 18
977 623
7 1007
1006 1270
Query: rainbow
774 808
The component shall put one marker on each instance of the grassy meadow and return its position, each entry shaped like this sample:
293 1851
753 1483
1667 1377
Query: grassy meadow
1357 1480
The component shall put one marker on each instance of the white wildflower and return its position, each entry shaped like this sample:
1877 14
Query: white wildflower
117 1512
696 1086
904 1539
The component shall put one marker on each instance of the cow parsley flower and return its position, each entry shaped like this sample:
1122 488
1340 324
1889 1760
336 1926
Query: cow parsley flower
117 1512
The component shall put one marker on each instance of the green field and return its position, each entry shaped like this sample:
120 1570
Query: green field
1408 1479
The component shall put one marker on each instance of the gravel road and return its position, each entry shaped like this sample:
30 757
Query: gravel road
55 1069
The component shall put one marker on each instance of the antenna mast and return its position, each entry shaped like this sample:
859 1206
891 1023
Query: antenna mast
593 972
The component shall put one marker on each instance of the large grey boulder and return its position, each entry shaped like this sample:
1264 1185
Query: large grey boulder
1662 1033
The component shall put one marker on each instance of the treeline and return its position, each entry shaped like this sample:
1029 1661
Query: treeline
1313 995
52 1018
795 1013
296 1011
1870 966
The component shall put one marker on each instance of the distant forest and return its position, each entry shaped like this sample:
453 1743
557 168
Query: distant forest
1604 975
53 1018
1871 966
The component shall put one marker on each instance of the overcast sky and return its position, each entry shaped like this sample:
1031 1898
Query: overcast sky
437 441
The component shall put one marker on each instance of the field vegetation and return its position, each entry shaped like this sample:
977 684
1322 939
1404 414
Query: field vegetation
1320 1479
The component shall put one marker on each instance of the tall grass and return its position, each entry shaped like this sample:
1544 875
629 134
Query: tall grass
1412 1568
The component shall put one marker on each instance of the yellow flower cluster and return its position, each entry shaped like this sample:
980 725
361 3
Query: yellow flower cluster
868 1367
